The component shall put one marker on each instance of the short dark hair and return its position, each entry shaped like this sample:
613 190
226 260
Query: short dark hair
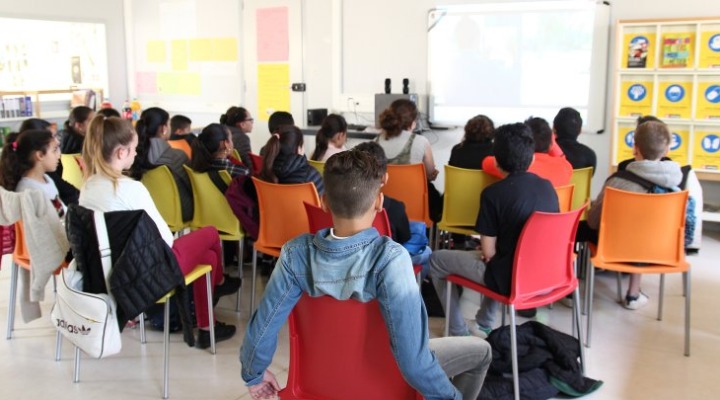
479 129
652 139
567 123
513 147
376 151
278 119
645 118
179 122
109 112
352 182
542 134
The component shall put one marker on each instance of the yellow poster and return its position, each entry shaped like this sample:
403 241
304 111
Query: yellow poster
183 83
179 55
636 98
638 50
708 100
706 149
709 49
624 143
679 144
155 51
674 99
677 50
273 89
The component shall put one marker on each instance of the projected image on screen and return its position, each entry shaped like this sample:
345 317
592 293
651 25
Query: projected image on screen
509 63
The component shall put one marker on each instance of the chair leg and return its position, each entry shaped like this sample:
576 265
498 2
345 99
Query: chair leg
587 264
661 297
54 277
438 234
143 338
241 249
166 350
252 284
76 369
686 275
578 325
589 303
13 300
211 313
513 351
448 288
504 312
684 284
618 278
58 346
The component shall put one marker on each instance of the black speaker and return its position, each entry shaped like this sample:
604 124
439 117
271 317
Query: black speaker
387 86
406 88
316 116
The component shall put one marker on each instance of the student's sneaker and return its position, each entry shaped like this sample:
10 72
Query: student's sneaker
222 332
636 302
229 286
527 313
475 329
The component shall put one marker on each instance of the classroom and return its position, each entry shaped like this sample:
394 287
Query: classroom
341 57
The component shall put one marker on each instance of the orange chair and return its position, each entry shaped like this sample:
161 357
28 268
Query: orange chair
282 217
408 183
642 228
257 163
543 272
341 350
181 144
565 197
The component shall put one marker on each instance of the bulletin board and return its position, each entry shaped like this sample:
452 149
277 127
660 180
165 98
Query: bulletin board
185 55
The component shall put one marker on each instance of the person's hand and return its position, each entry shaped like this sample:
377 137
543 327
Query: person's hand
267 389
434 175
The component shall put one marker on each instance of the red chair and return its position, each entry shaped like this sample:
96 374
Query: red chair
257 163
543 272
341 350
320 219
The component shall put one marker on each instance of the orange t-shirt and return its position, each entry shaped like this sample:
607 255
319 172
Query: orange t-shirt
555 169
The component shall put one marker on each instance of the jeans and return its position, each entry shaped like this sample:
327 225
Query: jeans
469 265
464 359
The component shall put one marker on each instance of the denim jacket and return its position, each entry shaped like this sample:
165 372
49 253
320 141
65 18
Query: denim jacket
362 267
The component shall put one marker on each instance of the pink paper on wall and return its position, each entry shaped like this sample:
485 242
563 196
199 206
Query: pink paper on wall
272 34
146 82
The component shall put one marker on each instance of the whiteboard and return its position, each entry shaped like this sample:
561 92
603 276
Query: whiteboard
185 55
49 55
513 60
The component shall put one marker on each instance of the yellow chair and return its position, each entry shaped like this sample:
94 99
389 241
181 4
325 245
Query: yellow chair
72 172
461 201
163 189
212 209
236 155
646 229
582 179
318 165
565 197
181 144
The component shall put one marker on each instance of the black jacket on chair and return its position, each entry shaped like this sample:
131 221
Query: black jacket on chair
144 268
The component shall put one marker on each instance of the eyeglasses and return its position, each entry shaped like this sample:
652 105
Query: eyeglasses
249 120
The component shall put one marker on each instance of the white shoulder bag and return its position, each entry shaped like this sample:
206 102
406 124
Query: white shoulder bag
88 320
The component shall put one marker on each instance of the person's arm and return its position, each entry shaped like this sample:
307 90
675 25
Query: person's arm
406 321
488 247
281 295
429 162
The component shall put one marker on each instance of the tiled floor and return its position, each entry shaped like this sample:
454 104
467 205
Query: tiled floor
636 356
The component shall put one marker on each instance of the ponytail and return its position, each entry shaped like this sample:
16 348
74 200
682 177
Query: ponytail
207 145
398 117
284 143
104 135
17 156
332 125
147 127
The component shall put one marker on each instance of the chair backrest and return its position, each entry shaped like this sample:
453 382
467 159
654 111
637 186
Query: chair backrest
163 189
582 179
211 207
72 172
318 165
320 219
565 197
341 350
282 213
181 144
408 183
21 255
461 201
641 227
544 257
257 163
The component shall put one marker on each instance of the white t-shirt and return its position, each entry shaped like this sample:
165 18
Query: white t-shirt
98 194
394 146
48 188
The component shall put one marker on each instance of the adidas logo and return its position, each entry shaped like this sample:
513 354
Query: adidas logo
82 329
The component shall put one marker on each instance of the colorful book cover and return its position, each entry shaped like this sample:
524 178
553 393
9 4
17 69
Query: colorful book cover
636 98
638 50
706 149
675 99
709 49
677 50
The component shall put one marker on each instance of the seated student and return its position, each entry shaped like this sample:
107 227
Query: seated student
330 138
504 208
212 149
414 242
108 150
652 143
68 193
153 150
109 112
476 144
567 126
285 162
321 264
555 169
72 137
277 120
181 128
240 123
